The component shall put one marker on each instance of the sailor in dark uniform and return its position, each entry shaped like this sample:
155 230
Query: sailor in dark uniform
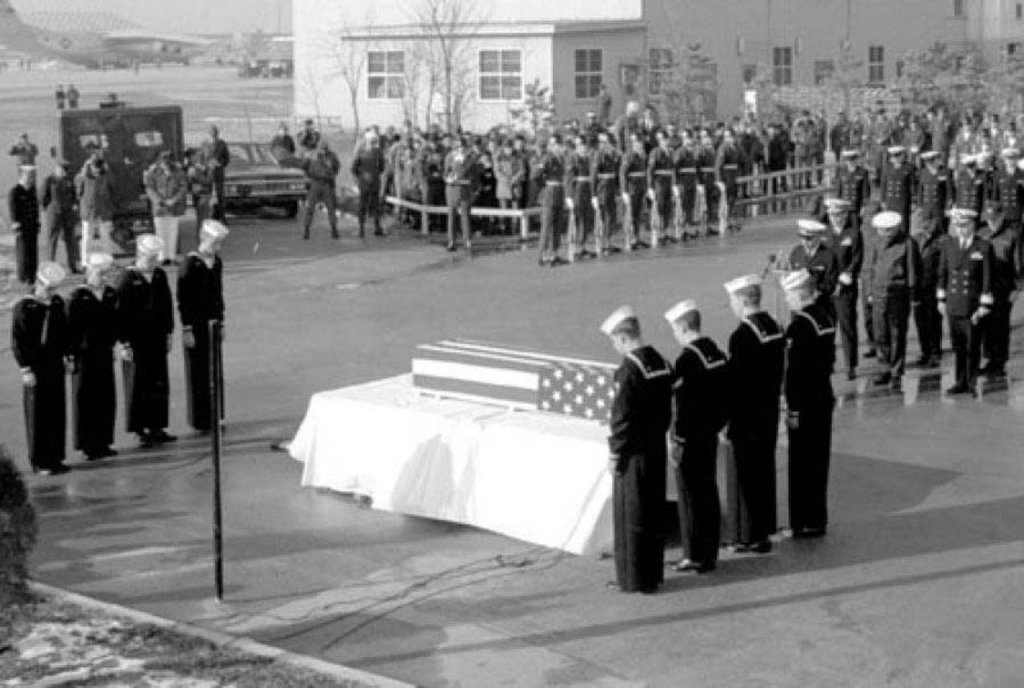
200 302
39 340
810 355
848 244
700 414
641 415
92 327
756 360
814 255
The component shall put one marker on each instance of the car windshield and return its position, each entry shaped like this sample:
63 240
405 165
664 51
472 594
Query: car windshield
266 157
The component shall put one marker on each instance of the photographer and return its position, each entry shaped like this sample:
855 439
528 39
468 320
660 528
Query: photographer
96 203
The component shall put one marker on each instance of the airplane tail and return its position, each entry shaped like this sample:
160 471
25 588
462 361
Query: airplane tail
15 34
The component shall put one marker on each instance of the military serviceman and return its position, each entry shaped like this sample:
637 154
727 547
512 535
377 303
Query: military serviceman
322 169
965 295
92 335
927 231
633 183
1003 234
970 185
898 183
604 174
814 255
706 177
641 416
145 322
756 361
660 178
200 303
579 189
847 243
853 184
727 171
686 180
701 381
367 167
459 167
60 202
1008 188
810 354
39 340
893 272
23 210
550 173
218 157
934 189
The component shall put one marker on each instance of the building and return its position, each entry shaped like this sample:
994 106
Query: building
635 47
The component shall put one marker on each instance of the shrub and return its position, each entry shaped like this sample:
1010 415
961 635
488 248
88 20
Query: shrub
17 529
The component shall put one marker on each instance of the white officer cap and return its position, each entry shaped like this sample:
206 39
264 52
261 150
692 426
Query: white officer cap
99 261
897 150
149 245
212 229
797 280
807 228
50 274
1010 152
741 284
835 205
969 160
850 153
679 310
962 214
929 155
886 220
27 168
616 319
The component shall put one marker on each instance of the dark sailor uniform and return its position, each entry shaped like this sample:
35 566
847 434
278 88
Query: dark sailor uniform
200 302
92 335
824 268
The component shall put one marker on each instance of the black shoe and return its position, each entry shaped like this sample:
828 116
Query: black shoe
161 436
934 361
996 373
958 389
613 249
851 374
59 469
94 455
451 248
108 452
896 384
556 261
870 353
335 235
544 262
922 362
146 440
882 379
379 233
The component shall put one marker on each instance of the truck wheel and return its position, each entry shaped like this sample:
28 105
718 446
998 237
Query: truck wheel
291 209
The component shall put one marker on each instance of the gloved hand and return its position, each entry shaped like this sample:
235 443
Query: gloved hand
650 194
846 279
188 340
28 379
593 202
569 204
125 352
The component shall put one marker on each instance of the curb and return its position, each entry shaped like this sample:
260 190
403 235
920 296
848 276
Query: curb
225 640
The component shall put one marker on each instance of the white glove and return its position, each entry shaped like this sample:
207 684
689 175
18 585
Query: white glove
28 379
675 192
942 307
188 340
125 352
625 198
593 202
846 279
650 194
569 204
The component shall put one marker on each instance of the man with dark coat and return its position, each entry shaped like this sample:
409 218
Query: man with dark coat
60 203
700 387
604 176
969 185
23 210
686 182
367 167
321 170
814 254
633 185
201 302
550 173
929 233
934 189
853 183
847 243
579 188
145 321
218 157
641 415
660 180
39 340
92 335
756 362
459 178
1003 234
898 183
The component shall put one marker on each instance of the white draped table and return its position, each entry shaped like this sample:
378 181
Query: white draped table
537 477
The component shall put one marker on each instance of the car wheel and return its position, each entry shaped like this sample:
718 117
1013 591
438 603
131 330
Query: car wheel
291 209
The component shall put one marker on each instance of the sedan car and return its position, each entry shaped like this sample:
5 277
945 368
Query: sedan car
254 180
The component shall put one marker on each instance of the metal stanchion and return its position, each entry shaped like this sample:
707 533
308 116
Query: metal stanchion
215 330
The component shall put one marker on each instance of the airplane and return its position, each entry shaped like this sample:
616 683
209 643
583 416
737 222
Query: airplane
96 49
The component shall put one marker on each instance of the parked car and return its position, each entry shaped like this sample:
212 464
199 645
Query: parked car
254 181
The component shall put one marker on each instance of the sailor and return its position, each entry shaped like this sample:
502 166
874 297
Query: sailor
23 209
929 234
847 243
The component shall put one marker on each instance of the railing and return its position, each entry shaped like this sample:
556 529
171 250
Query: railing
520 215
773 192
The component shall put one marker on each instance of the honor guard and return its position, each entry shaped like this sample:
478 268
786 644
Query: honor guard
756 361
970 185
847 243
633 183
604 175
579 188
39 340
810 355
706 176
321 169
1007 279
929 234
898 180
814 255
728 161
92 328
686 180
550 172
641 416
660 180
699 389
459 176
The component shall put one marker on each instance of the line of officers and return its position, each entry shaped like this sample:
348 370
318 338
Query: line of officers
709 390
130 317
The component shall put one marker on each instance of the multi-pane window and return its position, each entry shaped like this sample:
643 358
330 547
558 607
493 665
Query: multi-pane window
749 73
385 74
782 66
501 75
589 75
876 64
823 70
958 8
660 70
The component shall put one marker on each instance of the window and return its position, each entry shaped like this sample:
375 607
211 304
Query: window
148 139
501 75
1020 10
958 9
660 72
782 66
97 140
749 73
901 68
589 74
1013 49
876 64
823 70
385 74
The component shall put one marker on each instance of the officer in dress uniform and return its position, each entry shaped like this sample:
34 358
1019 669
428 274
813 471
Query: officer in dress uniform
1008 189
550 173
1007 279
970 185
579 189
641 416
929 234
92 335
604 175
756 361
633 183
814 254
23 210
660 180
201 302
39 340
810 355
60 202
847 243
935 189
706 175
699 390
853 184
965 295
144 315
686 180
459 169
898 183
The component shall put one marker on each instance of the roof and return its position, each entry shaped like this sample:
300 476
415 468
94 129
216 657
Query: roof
491 29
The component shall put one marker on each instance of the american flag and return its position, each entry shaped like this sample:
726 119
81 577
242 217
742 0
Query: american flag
586 390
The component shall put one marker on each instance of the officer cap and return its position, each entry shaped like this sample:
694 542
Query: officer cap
807 228
742 284
212 229
617 319
962 214
50 274
929 155
1010 152
797 280
886 221
149 245
850 154
677 311
837 205
897 150
969 160
99 261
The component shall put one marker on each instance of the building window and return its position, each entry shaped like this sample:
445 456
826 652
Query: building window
782 66
589 74
1020 10
660 72
958 9
901 68
501 75
876 64
385 74
749 73
823 70
1013 49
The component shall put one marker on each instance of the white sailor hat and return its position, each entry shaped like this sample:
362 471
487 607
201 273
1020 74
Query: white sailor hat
897 150
983 156
27 168
50 274
796 280
212 229
679 310
969 160
615 320
1020 164
99 261
740 284
837 204
886 220
1010 152
808 228
149 245
929 155
850 153
962 214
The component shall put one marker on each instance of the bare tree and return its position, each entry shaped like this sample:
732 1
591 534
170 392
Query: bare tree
346 59
313 89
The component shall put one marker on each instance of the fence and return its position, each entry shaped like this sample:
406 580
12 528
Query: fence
782 191
521 216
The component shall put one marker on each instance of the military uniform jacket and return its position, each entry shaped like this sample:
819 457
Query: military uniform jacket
935 190
700 387
965 276
810 356
686 168
633 172
854 186
1008 187
706 165
894 267
660 167
1007 259
578 183
930 248
23 206
59 197
898 188
368 166
39 333
848 245
200 292
756 362
604 171
642 409
970 190
91 321
144 309
823 265
727 164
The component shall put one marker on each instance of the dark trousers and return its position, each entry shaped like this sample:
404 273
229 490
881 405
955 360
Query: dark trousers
754 449
845 305
26 250
146 387
688 200
700 513
552 219
636 509
997 333
44 408
457 198
583 214
217 212
197 379
868 309
664 203
966 340
202 204
94 400
928 322
321 192
891 316
810 449
62 228
369 205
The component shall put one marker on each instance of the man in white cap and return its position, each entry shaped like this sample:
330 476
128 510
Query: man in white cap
92 327
201 302
965 295
969 185
756 361
167 188
848 244
701 381
23 209
892 273
814 255
899 180
145 322
39 340
641 415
